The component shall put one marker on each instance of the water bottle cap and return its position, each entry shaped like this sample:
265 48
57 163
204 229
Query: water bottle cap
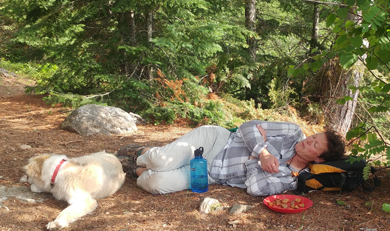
199 151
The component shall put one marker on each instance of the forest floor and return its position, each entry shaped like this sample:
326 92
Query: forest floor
27 120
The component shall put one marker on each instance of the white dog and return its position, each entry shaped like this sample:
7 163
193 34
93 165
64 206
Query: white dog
79 181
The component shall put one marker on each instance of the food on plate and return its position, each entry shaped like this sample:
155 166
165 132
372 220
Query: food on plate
287 203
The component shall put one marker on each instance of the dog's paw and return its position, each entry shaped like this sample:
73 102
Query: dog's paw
24 179
35 189
56 224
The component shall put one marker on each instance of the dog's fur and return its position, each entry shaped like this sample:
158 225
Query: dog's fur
80 181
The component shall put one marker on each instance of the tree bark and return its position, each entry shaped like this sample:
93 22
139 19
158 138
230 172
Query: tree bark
250 24
345 113
316 22
149 31
149 25
132 29
332 82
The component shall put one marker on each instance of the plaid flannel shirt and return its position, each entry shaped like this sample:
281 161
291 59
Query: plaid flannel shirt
233 167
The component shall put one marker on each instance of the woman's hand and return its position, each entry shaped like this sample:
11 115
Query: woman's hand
269 163
262 132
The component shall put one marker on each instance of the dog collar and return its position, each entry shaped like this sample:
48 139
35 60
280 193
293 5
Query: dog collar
53 178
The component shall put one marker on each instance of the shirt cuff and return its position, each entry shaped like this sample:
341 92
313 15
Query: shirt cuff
251 164
258 149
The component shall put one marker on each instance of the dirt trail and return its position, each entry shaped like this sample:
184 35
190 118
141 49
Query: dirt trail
27 120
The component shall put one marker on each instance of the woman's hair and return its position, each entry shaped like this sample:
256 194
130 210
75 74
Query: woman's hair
336 146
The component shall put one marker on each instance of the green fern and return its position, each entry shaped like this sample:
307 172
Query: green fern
366 171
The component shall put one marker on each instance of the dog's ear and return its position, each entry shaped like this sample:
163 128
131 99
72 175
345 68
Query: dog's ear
35 165
32 170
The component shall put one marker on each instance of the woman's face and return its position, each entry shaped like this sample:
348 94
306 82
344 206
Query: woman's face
312 147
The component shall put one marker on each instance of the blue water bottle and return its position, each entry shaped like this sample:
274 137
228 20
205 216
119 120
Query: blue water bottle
199 179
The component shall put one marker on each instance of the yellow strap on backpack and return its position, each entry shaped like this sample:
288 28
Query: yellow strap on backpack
322 168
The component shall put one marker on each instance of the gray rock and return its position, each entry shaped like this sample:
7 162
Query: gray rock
237 209
234 223
6 73
22 193
208 204
25 146
93 119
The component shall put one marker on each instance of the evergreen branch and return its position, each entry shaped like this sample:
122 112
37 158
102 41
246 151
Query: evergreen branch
55 11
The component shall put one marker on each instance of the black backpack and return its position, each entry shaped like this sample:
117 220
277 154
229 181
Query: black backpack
339 175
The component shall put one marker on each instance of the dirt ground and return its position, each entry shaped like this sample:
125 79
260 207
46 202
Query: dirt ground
27 120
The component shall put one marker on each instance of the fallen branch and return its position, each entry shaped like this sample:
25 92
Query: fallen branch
99 95
74 141
325 3
357 226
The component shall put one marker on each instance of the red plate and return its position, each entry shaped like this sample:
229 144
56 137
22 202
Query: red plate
307 202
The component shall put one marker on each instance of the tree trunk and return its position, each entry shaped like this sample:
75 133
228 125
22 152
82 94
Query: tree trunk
316 22
129 68
149 25
250 24
332 82
132 29
149 30
343 117
344 114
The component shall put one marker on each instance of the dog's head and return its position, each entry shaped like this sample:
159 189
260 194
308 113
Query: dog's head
33 170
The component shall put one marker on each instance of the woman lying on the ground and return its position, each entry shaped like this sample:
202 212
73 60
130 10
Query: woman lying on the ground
263 157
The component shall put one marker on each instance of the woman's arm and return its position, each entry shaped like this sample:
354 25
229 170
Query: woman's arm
255 133
268 162
255 141
262 183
